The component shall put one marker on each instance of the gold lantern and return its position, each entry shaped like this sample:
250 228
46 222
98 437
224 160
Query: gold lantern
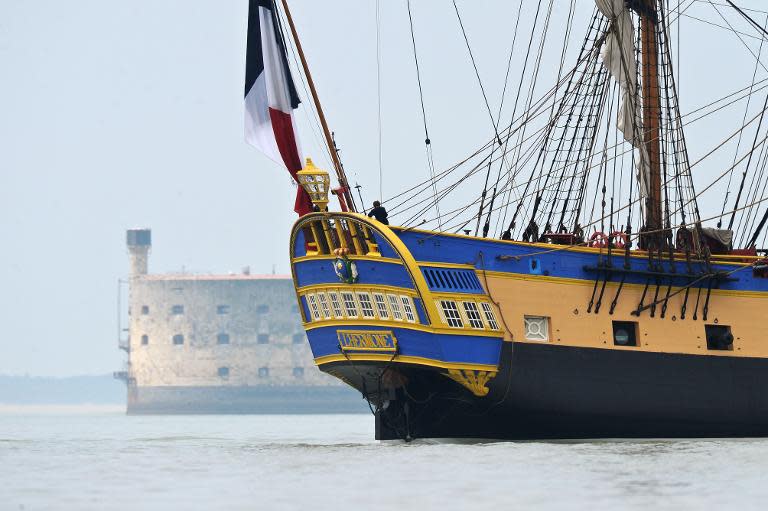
316 182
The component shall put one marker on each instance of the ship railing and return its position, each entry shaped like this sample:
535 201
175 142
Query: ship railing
330 234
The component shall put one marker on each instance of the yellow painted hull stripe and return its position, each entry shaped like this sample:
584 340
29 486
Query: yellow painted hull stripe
403 359
590 283
405 325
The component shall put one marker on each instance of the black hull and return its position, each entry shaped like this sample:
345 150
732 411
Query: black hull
546 391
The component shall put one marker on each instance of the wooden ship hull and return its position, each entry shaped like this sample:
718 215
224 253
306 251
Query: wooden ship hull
573 333
456 336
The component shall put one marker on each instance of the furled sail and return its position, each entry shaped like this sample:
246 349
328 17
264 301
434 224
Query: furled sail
618 55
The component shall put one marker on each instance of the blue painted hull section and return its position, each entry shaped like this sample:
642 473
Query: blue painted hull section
560 263
314 272
414 343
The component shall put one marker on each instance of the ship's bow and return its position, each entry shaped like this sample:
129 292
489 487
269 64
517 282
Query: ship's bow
420 343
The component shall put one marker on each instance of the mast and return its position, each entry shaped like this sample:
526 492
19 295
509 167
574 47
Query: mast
651 108
340 174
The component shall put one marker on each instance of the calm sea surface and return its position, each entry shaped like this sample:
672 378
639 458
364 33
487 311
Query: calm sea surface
101 459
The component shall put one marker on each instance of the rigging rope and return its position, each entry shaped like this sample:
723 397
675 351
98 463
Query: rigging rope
582 135
378 91
477 73
748 18
738 143
427 139
498 118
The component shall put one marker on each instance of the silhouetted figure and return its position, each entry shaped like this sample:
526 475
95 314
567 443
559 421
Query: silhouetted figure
379 213
531 232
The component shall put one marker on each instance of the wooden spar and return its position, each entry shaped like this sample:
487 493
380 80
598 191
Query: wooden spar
340 174
651 112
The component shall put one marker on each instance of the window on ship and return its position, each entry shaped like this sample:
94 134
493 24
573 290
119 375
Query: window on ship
408 309
381 305
263 339
178 339
263 372
489 315
177 310
223 372
536 328
473 315
451 313
222 339
625 333
719 337
144 339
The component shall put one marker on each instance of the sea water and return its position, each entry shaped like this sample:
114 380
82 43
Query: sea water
100 459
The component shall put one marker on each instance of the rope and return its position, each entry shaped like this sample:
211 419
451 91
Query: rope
427 139
378 92
477 72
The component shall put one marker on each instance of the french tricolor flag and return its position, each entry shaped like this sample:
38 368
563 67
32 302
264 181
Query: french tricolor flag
270 94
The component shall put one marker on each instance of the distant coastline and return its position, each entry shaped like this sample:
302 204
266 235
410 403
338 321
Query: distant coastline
74 390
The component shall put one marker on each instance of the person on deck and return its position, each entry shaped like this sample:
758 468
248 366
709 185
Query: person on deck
379 213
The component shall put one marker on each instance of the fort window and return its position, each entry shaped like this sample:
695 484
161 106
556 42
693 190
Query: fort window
222 309
262 339
536 328
324 305
394 304
451 314
408 309
719 337
298 338
625 333
473 315
381 305
178 339
366 306
350 305
177 310
262 309
490 317
222 339
336 304
298 372
144 310
144 340
263 372
313 307
223 372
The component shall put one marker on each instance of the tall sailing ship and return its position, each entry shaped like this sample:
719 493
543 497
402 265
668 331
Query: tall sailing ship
579 293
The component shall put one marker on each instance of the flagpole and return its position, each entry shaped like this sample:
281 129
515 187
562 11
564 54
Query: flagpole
327 132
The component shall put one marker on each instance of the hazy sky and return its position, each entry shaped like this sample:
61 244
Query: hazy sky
124 114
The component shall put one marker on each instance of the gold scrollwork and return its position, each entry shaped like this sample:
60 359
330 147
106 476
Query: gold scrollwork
475 381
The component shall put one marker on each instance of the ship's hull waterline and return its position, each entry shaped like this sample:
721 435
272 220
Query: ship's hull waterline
561 392
536 341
